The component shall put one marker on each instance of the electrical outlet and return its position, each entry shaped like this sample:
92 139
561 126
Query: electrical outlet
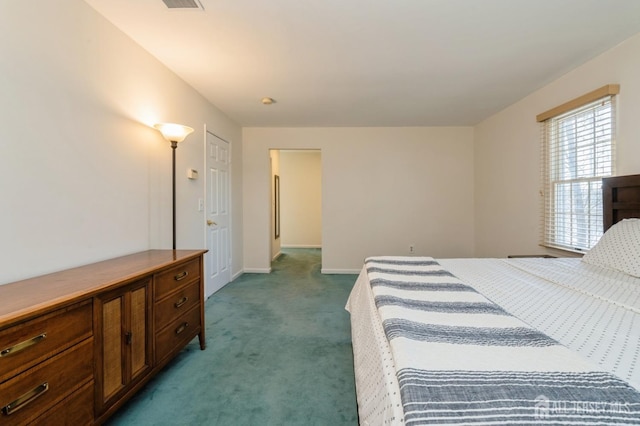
411 248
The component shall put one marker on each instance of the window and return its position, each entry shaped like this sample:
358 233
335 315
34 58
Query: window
577 152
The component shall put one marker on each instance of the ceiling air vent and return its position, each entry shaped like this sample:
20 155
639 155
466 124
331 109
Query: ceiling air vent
183 4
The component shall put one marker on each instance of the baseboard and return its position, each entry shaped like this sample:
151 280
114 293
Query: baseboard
341 271
301 246
257 270
278 254
237 275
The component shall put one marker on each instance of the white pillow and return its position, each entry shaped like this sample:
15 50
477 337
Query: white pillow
618 248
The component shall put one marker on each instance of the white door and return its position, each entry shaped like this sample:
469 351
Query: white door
218 262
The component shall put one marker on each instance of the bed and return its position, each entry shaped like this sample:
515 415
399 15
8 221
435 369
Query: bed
504 341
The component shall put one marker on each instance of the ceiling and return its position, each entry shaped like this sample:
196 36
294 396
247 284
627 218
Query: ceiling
372 62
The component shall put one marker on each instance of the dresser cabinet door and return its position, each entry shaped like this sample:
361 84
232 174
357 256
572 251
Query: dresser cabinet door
123 349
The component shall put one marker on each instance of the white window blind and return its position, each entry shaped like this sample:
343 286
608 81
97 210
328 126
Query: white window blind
578 151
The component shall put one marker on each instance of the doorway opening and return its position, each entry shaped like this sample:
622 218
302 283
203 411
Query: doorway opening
296 199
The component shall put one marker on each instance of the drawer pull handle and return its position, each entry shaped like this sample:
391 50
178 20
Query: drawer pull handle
181 276
23 345
182 327
25 399
181 302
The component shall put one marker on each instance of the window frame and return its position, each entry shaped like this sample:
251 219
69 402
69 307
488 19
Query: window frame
550 169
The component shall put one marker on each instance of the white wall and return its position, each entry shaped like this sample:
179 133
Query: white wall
275 170
301 198
84 177
382 190
507 150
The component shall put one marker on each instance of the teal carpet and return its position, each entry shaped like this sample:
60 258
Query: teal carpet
278 353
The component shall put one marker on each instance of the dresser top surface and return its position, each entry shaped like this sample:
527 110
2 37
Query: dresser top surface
22 299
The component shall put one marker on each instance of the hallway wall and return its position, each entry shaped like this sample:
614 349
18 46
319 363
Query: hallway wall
301 198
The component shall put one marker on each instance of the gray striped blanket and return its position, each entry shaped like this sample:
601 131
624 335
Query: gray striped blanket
462 359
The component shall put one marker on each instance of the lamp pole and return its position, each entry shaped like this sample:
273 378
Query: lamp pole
174 145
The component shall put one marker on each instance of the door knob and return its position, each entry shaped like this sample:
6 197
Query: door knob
210 222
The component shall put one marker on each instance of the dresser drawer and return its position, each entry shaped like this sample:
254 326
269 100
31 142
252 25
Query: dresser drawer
38 389
26 344
176 304
75 410
176 277
178 333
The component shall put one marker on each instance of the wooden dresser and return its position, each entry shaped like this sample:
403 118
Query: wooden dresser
76 344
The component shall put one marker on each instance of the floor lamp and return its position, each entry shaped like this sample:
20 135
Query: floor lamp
174 133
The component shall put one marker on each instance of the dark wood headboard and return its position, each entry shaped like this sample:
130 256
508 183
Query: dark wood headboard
621 199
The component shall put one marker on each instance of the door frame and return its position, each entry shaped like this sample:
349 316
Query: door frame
272 212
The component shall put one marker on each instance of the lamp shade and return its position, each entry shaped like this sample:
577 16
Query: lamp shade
173 132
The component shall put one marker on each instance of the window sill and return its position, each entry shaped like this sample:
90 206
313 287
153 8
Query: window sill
564 251
518 256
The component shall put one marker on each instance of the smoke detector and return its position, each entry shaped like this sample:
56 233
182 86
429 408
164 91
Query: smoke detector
183 4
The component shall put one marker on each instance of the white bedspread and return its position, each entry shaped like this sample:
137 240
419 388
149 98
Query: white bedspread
592 311
375 373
